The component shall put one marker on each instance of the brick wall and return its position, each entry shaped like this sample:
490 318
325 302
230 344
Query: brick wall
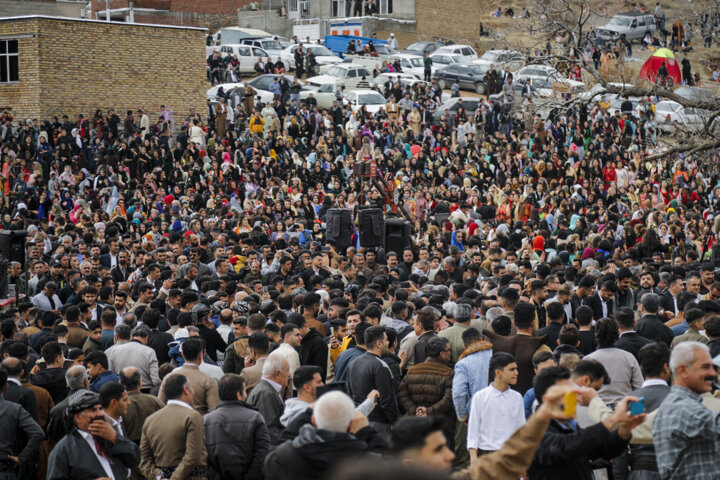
23 97
82 66
459 23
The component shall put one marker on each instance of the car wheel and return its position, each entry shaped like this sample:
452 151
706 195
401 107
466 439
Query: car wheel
480 88
441 83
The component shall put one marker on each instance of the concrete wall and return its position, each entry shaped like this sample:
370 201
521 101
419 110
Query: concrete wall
16 8
267 20
125 66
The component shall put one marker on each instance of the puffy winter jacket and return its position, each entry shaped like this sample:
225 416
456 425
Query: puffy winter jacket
237 441
429 384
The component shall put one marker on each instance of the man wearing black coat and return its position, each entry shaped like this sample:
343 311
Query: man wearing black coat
15 392
313 349
566 450
650 326
235 434
73 457
52 378
603 301
629 340
369 372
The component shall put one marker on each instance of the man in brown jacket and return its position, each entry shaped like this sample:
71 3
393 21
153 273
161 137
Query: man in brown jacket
259 344
173 439
236 352
205 388
426 390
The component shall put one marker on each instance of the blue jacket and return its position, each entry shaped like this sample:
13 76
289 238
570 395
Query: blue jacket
343 362
102 379
471 375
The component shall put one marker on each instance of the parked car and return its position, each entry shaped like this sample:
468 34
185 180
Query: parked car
212 93
598 93
540 72
262 83
670 114
634 25
270 45
414 64
468 75
370 99
441 60
548 87
406 79
325 95
348 74
247 55
510 59
323 55
464 50
695 93
419 48
450 107
616 101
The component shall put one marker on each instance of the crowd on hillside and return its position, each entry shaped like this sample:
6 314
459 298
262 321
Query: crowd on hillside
182 311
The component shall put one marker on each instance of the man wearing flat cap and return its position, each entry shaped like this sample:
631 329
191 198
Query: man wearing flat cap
92 449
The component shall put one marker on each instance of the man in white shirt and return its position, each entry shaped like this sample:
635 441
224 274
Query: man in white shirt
497 410
288 349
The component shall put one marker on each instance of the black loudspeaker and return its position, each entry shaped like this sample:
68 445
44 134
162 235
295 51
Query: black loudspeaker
398 232
12 245
4 278
372 227
339 228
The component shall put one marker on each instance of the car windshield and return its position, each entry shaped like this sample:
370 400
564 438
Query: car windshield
271 45
621 21
417 46
322 52
695 93
461 59
336 71
371 99
415 62
490 56
479 69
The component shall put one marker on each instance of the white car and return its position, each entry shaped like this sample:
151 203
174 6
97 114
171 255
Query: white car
212 93
540 72
464 50
548 88
247 55
370 99
598 93
348 74
510 59
323 55
413 64
615 103
670 114
261 84
406 79
442 60
270 45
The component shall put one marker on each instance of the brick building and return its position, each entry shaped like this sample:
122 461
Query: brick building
71 66
210 14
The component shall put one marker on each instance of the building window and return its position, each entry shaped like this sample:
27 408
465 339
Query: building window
8 61
341 8
292 5
385 7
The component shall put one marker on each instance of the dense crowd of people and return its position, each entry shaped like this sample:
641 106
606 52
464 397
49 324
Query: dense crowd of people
182 310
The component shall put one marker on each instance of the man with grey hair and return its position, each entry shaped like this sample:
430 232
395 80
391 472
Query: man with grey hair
338 433
134 353
451 269
76 379
685 433
463 313
266 397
